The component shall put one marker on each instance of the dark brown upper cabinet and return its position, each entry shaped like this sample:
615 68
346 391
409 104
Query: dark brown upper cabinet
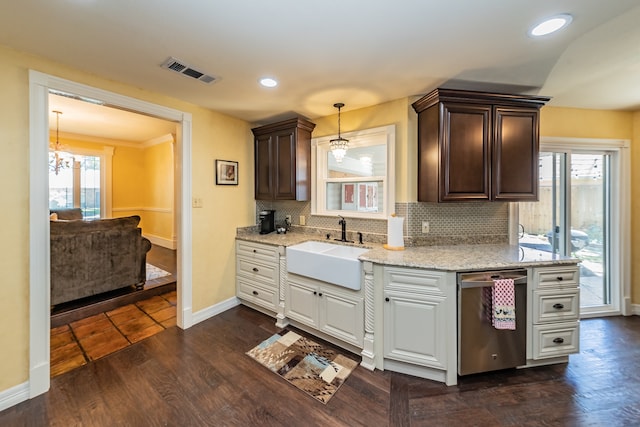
477 146
283 160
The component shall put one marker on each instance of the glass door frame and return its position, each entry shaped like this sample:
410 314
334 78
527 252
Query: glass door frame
619 215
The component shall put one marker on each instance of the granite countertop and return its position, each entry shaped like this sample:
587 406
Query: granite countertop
467 257
444 258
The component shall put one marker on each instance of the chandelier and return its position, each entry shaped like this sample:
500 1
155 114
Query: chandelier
339 145
58 158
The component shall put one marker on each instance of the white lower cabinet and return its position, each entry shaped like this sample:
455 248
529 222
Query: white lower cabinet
419 320
258 274
555 295
330 309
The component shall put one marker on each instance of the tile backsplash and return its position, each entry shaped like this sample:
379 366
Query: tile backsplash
449 223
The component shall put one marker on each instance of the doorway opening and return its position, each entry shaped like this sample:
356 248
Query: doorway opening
40 86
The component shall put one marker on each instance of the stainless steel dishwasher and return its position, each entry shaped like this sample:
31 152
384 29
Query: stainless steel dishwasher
482 347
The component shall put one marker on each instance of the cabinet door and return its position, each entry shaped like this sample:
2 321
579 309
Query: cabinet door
301 303
284 164
342 316
465 152
414 329
515 154
263 169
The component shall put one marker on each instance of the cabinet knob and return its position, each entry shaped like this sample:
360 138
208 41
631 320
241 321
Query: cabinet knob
255 269
560 278
387 299
315 293
558 306
255 292
320 294
558 340
255 251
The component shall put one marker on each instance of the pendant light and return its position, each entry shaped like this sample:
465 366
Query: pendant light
339 145
58 159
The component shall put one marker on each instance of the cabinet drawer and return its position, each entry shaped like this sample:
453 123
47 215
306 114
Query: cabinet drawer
556 305
554 340
257 294
414 281
257 251
256 270
557 277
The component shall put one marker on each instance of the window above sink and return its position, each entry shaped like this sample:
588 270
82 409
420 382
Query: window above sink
361 185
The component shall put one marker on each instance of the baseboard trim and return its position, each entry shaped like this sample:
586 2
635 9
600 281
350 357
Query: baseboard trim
635 309
214 310
162 241
14 395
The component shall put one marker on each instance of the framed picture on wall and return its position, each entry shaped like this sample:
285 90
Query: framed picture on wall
226 172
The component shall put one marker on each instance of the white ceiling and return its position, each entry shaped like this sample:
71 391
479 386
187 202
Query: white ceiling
326 51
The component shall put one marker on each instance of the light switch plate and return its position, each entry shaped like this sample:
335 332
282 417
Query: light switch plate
425 227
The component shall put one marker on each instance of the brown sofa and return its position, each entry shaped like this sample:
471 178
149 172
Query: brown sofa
95 256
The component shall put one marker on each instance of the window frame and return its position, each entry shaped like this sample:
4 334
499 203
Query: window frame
106 172
319 171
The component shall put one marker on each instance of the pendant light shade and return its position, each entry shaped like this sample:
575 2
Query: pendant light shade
339 145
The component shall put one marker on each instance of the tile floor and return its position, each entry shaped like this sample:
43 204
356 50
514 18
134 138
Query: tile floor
82 341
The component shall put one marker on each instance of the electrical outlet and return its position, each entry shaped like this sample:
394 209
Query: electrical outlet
288 218
425 227
196 202
303 220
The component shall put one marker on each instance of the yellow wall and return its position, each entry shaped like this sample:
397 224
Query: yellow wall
127 181
399 113
581 123
214 135
158 195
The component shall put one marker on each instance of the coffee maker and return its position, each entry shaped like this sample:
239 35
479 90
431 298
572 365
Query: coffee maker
267 221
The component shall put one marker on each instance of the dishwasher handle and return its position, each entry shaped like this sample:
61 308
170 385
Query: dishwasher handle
466 284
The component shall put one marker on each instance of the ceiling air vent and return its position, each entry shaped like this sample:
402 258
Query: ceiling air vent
178 66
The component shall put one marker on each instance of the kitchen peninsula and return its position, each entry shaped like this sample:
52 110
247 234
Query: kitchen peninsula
406 310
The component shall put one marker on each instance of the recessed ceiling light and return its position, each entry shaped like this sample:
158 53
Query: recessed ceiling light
268 82
551 25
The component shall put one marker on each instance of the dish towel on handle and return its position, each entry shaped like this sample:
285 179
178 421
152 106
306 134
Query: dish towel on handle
504 304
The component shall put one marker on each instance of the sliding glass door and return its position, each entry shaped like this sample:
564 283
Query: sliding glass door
573 218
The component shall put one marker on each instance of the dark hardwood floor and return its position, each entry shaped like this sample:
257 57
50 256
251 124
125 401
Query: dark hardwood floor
202 377
75 310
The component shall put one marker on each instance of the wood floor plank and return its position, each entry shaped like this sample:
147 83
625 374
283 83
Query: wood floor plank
202 377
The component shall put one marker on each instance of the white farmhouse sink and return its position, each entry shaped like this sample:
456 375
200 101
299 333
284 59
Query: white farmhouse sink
336 264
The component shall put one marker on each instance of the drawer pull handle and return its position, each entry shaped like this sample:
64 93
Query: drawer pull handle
255 292
255 269
558 306
560 278
558 340
255 251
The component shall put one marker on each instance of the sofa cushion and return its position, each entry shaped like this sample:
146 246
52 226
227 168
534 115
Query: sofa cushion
67 213
88 226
